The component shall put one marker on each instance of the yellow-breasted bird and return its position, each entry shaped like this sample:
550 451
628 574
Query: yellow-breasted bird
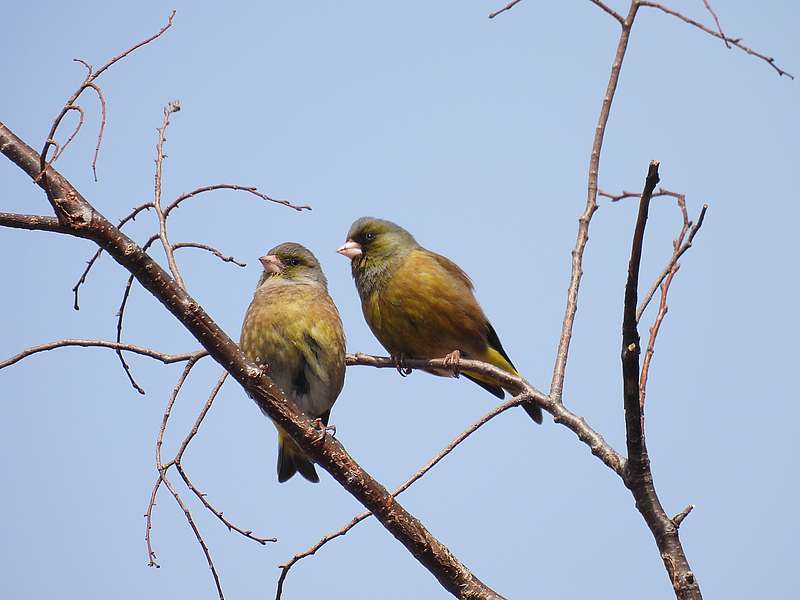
293 327
420 304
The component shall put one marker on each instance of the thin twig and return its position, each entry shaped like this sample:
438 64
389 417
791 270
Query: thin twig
172 107
202 496
70 104
515 401
151 556
231 186
680 251
148 519
120 316
516 386
508 6
90 263
197 535
651 343
716 20
81 118
155 354
102 127
678 519
208 248
557 384
618 17
733 41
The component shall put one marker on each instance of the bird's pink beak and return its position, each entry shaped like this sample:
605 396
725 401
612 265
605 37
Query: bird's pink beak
271 263
350 249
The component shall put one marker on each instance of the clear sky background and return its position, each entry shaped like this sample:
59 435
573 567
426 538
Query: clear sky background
475 135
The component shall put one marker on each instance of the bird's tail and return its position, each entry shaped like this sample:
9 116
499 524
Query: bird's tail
500 360
291 459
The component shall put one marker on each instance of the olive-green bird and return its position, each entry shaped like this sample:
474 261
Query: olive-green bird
420 304
293 327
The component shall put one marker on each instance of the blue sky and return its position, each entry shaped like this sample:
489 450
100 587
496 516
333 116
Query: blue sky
475 136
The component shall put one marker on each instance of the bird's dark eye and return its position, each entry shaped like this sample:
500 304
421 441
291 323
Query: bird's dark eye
292 262
369 236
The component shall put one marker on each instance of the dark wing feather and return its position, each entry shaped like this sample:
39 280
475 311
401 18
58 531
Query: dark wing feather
494 342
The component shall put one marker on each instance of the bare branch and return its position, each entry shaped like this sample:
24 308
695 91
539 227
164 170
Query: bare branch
84 220
557 384
618 17
678 519
208 248
197 535
716 20
679 251
102 127
90 263
121 315
172 107
518 387
733 41
179 466
508 6
515 401
151 556
638 476
162 470
70 104
651 344
165 358
78 126
231 186
122 55
32 222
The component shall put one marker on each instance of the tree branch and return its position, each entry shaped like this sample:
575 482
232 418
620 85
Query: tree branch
32 222
83 220
167 359
637 475
172 107
728 40
518 387
557 384
342 531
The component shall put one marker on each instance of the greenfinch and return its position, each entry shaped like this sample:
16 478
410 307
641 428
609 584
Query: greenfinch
420 304
293 328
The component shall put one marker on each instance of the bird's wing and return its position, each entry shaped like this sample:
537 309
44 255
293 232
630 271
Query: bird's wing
451 268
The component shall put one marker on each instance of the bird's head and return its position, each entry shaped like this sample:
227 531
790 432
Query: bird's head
374 241
291 262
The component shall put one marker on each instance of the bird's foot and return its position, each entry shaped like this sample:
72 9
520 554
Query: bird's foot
452 361
323 430
400 365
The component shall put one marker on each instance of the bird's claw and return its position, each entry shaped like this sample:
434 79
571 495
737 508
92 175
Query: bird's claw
400 365
452 361
323 430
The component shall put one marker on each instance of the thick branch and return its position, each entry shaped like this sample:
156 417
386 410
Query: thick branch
342 531
32 222
638 477
83 220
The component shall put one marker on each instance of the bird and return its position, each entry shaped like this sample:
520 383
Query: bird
420 304
293 328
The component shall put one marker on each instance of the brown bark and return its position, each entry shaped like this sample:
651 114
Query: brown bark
77 217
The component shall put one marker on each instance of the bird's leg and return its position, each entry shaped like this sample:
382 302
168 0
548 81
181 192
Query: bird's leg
400 365
323 430
452 361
